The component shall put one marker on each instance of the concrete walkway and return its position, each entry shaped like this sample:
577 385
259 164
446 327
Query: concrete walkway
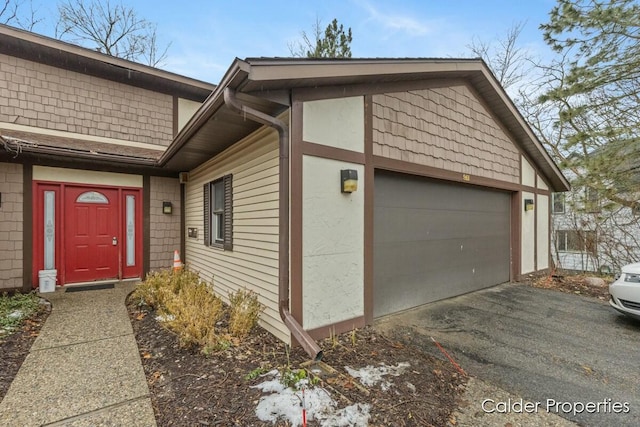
84 368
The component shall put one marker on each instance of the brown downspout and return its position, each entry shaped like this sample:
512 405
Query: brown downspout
230 100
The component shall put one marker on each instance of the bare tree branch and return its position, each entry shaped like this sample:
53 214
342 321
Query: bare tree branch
115 30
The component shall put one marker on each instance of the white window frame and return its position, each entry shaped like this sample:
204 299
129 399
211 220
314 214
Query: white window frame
562 198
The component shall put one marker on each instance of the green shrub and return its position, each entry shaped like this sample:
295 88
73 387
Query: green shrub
15 309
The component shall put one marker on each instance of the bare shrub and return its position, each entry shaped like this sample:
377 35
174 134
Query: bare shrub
187 304
244 312
193 314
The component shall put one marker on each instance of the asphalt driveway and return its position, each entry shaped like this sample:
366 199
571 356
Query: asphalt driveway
573 354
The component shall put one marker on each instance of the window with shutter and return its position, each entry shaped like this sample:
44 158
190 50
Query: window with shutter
218 213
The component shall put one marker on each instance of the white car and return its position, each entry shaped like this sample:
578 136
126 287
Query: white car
625 291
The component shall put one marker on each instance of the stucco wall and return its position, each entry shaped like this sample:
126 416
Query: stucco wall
333 244
528 173
542 229
11 226
253 262
186 109
332 222
164 232
541 184
335 122
38 95
528 236
446 128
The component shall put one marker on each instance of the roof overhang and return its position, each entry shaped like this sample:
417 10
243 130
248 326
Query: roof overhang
37 48
31 144
266 84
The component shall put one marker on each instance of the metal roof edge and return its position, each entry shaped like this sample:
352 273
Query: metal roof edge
237 72
561 183
13 38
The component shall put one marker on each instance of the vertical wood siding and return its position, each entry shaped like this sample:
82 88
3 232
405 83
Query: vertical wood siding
253 262
446 128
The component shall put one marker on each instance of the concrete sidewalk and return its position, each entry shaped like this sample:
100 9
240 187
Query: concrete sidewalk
84 368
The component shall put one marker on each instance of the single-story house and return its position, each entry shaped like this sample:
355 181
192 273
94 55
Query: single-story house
339 190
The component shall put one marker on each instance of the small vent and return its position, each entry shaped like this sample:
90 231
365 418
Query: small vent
183 177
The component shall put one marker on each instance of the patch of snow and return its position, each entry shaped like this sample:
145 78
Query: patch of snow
354 415
411 387
284 403
16 314
372 375
165 317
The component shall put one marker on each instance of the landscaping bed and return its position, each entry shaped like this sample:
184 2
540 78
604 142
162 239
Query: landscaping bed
241 382
189 388
15 344
572 283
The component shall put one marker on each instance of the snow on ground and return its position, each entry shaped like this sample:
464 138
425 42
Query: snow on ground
372 375
165 318
284 403
16 314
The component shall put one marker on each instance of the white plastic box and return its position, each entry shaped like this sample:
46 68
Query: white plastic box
47 280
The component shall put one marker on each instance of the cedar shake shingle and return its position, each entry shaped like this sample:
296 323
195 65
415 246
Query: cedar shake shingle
449 126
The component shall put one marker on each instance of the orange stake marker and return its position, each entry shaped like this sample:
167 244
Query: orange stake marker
449 357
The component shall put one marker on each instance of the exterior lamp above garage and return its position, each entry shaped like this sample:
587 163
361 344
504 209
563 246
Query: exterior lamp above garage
528 204
348 180
167 208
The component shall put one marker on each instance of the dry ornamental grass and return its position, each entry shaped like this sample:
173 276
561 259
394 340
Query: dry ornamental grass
189 307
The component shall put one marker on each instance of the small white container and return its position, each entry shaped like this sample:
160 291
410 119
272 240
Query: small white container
47 280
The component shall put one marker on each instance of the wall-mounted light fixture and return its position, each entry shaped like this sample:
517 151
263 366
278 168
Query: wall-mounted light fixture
348 180
528 204
167 208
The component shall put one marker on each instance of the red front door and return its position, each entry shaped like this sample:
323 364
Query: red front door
91 234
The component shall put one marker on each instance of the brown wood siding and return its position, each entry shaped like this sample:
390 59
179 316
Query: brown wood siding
47 97
164 230
446 128
253 262
11 226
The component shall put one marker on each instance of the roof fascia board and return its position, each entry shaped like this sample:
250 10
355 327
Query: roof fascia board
13 37
285 70
525 126
233 78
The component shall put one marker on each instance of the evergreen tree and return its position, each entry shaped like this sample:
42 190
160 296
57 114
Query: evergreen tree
336 43
596 91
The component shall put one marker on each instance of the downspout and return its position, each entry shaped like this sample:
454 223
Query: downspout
230 100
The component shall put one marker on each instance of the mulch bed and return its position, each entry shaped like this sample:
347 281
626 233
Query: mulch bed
189 388
578 284
15 347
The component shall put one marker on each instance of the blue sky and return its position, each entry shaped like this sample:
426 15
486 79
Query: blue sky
206 35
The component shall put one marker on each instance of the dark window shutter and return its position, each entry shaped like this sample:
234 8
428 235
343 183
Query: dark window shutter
228 212
207 214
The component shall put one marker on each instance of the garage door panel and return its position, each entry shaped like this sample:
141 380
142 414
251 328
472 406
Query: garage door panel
434 240
425 224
